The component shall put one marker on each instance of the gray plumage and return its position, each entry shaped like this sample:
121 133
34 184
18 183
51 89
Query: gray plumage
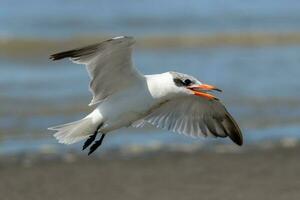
195 117
108 62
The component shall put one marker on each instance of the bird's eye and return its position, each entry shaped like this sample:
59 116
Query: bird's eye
187 81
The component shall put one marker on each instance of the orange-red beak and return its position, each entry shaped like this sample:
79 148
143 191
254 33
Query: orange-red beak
200 90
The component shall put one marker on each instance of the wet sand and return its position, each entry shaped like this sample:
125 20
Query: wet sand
256 174
14 47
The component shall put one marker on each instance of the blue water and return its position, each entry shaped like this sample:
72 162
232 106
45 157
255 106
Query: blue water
261 84
65 18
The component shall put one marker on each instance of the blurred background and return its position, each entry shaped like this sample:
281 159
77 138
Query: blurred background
250 49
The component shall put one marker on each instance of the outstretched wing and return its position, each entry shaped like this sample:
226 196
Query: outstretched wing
194 116
108 63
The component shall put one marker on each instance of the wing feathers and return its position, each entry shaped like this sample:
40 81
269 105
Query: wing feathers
233 130
106 62
76 53
195 117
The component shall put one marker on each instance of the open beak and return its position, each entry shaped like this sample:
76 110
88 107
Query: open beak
202 89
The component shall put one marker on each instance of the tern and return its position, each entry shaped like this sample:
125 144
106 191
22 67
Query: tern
125 97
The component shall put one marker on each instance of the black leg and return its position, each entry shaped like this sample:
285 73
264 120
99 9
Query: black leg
96 144
91 138
89 141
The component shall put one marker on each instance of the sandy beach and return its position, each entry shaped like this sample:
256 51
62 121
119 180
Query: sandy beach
256 174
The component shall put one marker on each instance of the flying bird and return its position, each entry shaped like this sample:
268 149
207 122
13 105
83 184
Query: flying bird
124 97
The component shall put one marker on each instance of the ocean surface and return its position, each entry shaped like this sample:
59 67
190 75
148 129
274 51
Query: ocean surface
250 49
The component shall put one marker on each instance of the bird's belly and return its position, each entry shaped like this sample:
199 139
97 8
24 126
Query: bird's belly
124 108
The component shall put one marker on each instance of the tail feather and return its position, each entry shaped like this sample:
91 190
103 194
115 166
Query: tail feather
75 131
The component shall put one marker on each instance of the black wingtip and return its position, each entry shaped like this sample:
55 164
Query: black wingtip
61 55
52 57
236 138
235 133
55 57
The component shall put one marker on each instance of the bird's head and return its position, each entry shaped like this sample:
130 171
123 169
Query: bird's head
186 84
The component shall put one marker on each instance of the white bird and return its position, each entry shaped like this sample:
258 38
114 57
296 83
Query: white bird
125 97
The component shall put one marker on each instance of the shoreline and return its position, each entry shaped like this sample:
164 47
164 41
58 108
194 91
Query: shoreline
13 47
46 150
255 174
